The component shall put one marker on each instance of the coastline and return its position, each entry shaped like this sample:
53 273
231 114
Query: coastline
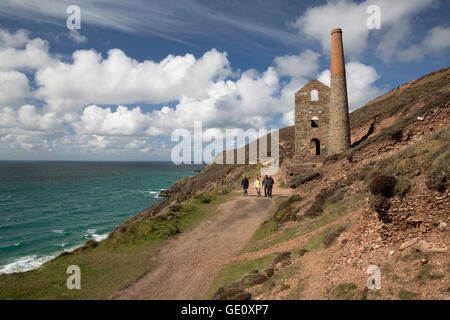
34 260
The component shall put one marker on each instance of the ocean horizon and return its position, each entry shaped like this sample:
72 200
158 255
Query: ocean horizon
48 207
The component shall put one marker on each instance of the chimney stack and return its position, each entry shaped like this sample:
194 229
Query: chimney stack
339 128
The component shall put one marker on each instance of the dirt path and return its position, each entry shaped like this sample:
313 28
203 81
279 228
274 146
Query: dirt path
187 264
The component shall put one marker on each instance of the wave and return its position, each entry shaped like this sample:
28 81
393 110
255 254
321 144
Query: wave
34 261
25 263
58 231
91 234
99 237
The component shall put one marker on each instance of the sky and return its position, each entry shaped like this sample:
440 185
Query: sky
135 71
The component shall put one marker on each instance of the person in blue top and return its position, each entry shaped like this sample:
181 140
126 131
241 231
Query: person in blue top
245 185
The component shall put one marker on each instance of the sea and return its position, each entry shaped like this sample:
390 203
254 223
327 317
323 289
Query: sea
50 207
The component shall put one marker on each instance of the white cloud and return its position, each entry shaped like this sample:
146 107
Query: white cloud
118 79
14 88
288 118
17 51
77 37
396 16
13 40
246 102
360 83
435 41
122 122
302 65
73 119
28 118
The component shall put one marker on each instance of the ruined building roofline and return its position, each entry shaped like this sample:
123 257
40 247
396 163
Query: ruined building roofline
313 82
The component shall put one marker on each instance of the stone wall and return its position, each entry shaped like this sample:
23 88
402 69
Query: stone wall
305 111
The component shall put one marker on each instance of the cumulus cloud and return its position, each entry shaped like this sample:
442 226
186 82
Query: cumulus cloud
74 113
122 122
360 83
119 79
13 40
396 16
300 65
29 118
14 88
247 102
18 51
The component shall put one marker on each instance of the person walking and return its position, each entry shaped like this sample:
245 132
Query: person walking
244 185
270 183
264 183
258 186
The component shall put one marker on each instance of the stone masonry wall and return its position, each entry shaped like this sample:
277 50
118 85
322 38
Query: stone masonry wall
305 110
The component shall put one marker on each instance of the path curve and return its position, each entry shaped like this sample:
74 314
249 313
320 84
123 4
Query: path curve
187 264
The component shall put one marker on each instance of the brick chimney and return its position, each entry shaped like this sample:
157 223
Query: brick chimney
339 128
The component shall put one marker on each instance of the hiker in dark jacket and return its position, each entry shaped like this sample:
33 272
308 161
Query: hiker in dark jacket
264 183
270 184
245 185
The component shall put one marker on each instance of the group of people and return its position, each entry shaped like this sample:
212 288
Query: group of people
267 184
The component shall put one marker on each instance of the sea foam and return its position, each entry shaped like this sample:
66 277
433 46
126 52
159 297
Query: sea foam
26 263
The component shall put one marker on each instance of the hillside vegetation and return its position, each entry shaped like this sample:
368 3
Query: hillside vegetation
384 202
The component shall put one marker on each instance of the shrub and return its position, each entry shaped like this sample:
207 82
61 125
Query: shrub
316 208
332 235
344 291
305 178
438 178
402 187
383 185
337 196
407 295
425 274
294 198
349 157
381 205
286 211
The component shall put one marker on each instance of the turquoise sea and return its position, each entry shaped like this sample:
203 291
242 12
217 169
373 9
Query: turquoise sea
49 207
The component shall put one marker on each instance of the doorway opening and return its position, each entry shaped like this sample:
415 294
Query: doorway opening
315 147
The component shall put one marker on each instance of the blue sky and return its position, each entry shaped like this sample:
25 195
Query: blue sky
136 71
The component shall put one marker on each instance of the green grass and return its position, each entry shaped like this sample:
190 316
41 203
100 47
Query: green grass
425 274
282 184
316 241
411 256
407 295
236 270
349 291
297 290
113 263
344 291
268 227
284 287
332 211
279 276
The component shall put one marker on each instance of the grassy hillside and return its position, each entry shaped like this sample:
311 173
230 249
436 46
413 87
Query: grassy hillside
384 202
319 242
